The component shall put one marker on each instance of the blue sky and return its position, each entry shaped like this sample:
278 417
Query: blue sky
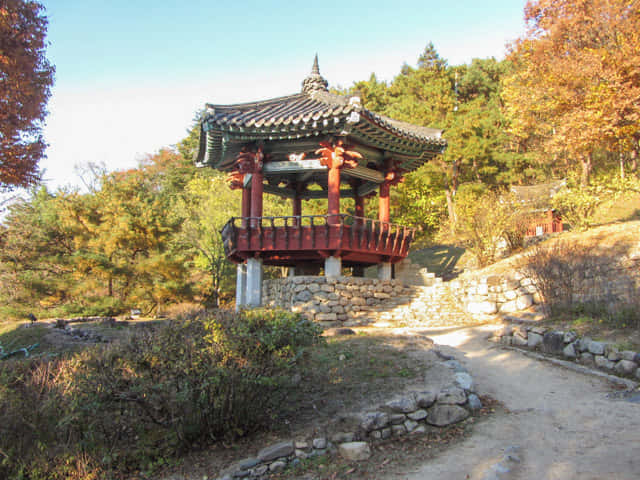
131 74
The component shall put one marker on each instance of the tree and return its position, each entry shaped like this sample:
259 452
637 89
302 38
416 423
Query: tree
576 84
25 80
207 204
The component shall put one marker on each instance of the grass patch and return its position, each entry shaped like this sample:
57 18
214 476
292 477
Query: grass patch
443 260
15 335
353 370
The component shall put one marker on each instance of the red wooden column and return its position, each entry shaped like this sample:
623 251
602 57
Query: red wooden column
336 156
383 213
246 205
334 195
359 206
256 188
297 210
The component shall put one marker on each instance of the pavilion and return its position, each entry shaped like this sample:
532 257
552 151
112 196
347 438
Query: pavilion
312 145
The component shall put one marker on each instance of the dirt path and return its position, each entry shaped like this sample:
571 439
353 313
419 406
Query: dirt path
561 423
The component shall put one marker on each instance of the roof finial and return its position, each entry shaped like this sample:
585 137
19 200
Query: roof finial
314 81
315 70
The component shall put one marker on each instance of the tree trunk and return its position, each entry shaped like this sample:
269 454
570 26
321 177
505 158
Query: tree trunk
621 166
475 171
451 210
633 161
587 165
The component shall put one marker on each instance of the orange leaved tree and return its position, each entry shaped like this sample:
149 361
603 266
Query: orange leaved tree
576 83
25 80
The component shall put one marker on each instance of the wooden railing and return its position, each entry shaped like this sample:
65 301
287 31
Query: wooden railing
316 232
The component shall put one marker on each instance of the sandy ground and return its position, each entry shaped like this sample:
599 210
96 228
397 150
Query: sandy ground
565 425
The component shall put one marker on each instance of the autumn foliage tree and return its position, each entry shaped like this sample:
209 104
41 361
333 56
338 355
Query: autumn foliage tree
576 83
25 80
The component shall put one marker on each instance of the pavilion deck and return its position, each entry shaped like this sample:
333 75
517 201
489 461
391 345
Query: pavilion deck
291 240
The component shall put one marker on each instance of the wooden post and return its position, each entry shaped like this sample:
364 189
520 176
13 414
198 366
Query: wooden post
383 214
334 195
256 197
297 210
246 205
359 206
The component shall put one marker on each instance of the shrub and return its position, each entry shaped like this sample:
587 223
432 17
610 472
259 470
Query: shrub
578 205
554 269
487 219
558 269
128 406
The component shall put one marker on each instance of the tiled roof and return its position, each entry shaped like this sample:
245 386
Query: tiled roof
314 112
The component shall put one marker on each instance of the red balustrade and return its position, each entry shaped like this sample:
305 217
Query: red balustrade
287 240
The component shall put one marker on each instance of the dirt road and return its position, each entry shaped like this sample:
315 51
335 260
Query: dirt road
559 424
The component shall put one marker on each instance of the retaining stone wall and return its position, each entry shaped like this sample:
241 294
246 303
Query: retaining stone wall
612 280
410 414
568 345
329 300
490 294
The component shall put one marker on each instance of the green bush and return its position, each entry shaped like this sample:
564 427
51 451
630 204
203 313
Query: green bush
578 205
133 405
487 219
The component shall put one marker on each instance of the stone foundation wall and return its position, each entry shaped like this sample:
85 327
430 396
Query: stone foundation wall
329 300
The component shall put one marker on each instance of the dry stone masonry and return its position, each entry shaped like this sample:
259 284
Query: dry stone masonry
410 414
330 300
568 345
492 294
348 301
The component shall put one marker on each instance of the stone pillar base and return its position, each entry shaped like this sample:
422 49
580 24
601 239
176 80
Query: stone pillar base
254 282
241 286
333 267
384 271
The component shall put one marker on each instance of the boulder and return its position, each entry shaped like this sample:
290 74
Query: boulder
519 341
452 396
569 351
483 307
397 418
248 463
464 381
354 451
425 399
553 342
524 301
509 307
405 404
417 415
474 402
279 450
583 344
534 339
443 415
410 425
373 421
319 443
570 337
277 466
521 331
586 358
602 362
597 348
626 367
